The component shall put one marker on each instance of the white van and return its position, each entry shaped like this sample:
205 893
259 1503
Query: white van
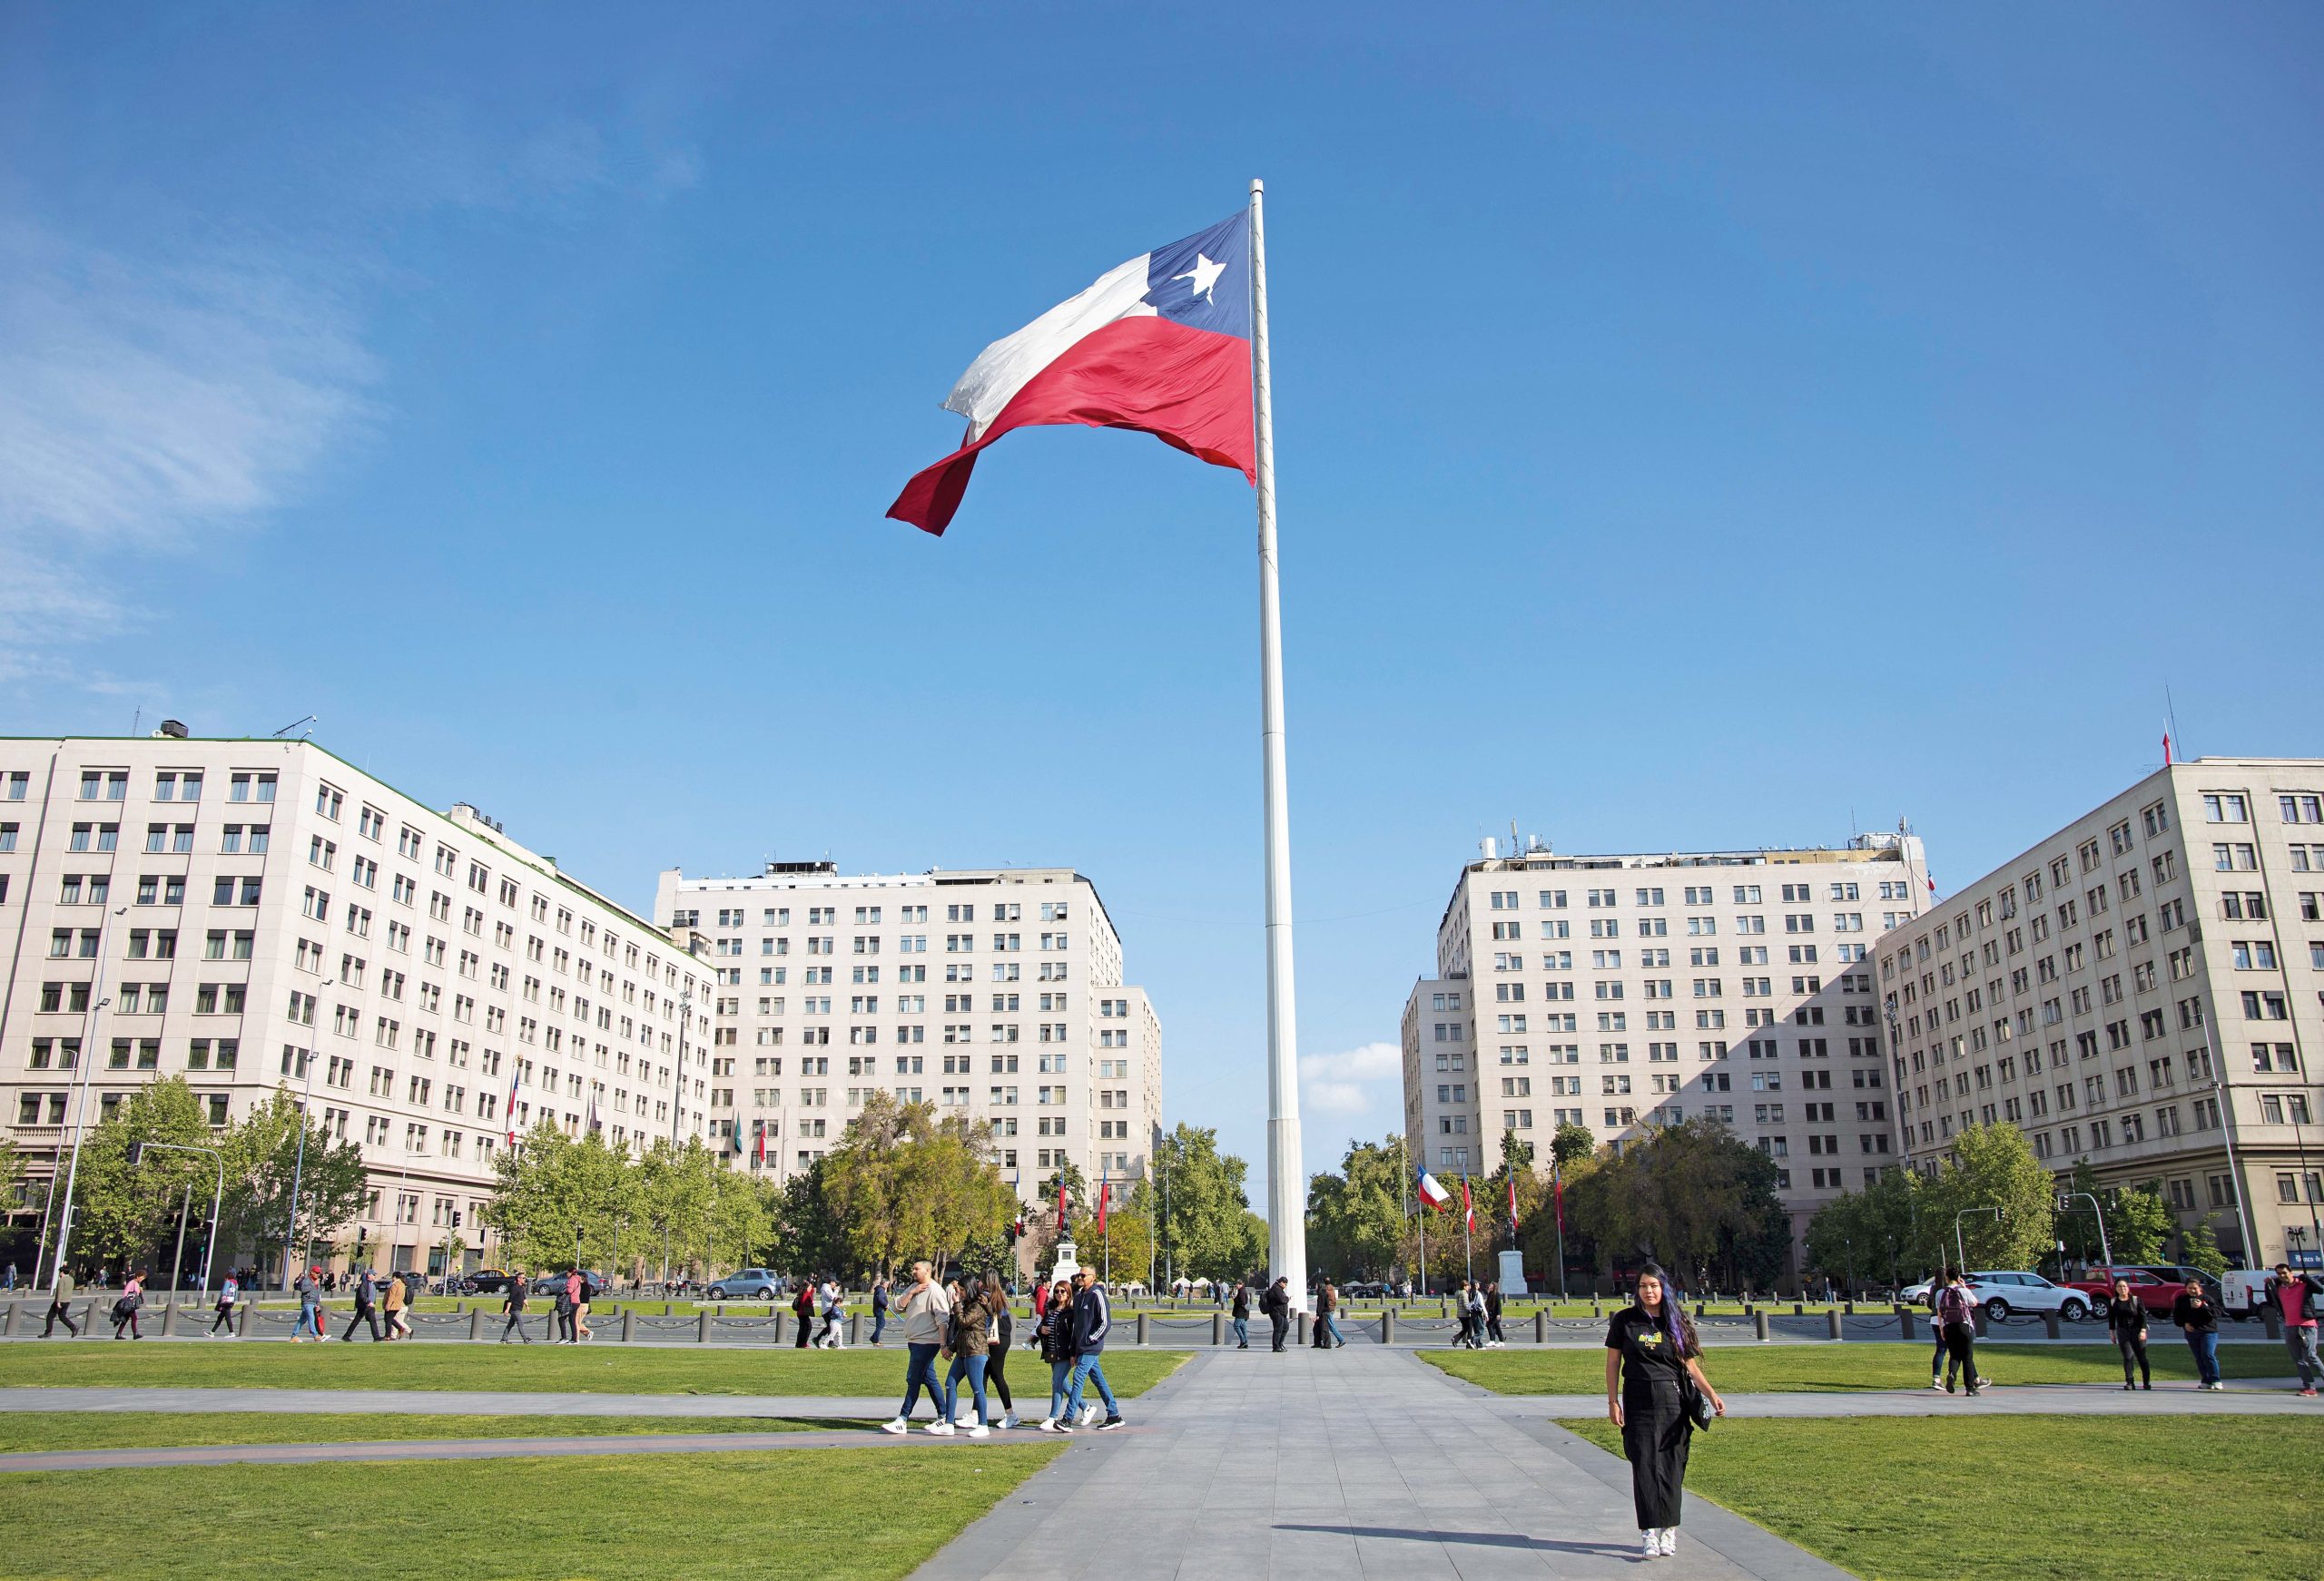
2243 1291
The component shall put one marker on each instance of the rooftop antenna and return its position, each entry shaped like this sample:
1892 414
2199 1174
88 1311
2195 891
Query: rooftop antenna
2171 719
295 724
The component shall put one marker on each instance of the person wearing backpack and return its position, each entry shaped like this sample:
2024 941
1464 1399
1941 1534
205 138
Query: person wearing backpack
228 1294
1956 1313
125 1309
1277 1304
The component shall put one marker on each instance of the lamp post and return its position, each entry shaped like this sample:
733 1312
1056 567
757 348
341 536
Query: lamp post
1960 1257
2065 1198
98 1000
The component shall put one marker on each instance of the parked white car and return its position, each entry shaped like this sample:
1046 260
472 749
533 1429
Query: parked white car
2002 1293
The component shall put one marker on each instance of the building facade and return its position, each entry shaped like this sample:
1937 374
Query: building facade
2144 990
994 994
258 916
1618 992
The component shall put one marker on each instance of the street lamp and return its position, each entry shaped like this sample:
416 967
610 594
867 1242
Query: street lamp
2064 1198
1960 1257
98 1000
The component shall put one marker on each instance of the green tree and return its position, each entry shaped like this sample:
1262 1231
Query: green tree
1516 1154
903 1183
1870 1233
2202 1250
1991 1167
2138 1222
1690 1196
1202 1235
1572 1143
1358 1219
262 1160
126 1212
559 1202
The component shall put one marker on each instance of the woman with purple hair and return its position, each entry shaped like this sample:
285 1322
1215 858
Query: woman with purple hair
1652 1361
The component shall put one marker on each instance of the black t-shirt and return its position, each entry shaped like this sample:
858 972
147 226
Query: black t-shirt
1648 1358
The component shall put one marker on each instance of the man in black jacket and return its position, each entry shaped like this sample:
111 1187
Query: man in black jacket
1241 1312
1277 1304
512 1301
367 1298
1493 1335
1093 1319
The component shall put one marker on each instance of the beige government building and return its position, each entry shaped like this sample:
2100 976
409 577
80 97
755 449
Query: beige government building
1618 992
260 915
995 994
2143 989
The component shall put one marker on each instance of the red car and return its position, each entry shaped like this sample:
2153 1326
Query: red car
2154 1293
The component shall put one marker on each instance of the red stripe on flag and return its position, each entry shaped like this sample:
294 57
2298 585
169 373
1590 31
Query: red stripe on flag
1188 387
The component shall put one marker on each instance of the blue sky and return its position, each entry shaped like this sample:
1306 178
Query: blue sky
1695 425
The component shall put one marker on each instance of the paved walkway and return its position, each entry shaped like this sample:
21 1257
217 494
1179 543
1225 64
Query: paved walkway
1331 1465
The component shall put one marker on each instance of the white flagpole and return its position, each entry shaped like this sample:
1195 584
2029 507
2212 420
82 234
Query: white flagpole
1286 1170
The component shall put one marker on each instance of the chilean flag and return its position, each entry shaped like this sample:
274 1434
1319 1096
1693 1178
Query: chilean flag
1105 1196
1161 344
1430 1193
1468 1208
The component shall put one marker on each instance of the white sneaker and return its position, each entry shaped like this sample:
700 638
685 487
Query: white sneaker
1051 1425
1089 1415
1651 1544
961 1418
1669 1541
1009 1422
980 1431
940 1430
898 1426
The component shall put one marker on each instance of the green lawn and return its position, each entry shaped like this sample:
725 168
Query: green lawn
845 1515
1810 1368
595 1369
24 1432
1998 1498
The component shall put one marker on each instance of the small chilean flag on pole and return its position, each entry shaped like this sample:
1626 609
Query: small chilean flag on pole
1512 1201
1105 1196
1433 1193
1161 344
1468 1208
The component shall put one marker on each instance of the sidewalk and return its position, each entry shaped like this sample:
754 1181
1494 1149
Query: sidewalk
1326 1465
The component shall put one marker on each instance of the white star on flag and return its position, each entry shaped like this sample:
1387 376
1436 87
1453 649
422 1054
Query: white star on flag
1205 274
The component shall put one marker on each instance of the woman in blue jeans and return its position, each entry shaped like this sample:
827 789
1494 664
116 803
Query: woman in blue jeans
1054 1334
2198 1319
969 1344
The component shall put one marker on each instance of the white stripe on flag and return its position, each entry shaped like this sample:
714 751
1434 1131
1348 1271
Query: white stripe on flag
1005 367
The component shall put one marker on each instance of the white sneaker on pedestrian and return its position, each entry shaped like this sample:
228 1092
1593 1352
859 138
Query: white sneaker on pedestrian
1009 1422
1051 1425
1650 1542
1669 1541
961 1418
1089 1415
940 1430
898 1426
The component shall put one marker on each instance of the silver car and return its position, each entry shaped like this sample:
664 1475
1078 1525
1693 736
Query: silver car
744 1284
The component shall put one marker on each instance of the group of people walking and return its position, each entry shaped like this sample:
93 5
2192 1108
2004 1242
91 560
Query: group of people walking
1478 1306
968 1322
830 1300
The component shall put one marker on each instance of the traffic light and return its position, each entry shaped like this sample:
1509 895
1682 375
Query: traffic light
136 1152
456 1218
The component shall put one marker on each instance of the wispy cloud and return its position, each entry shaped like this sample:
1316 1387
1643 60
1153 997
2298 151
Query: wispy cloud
1340 1085
145 403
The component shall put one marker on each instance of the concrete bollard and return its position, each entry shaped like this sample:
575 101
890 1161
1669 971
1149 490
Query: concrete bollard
1542 1326
1977 1321
14 1308
1595 1310
855 1327
243 1317
1798 1309
1303 1328
1388 1325
1832 1322
475 1322
1904 1320
628 1324
1759 1325
1219 1327
2049 1324
169 1318
1141 1328
669 1309
702 1328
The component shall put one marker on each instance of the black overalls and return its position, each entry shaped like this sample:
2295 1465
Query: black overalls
1655 1427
